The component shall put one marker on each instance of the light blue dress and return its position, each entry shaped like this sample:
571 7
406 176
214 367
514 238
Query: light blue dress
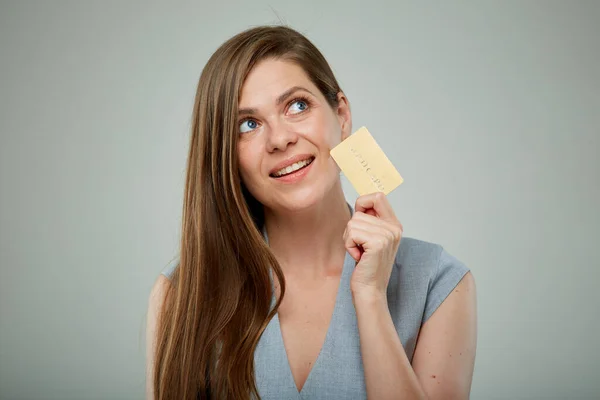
423 275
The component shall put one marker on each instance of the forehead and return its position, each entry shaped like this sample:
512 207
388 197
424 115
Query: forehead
269 78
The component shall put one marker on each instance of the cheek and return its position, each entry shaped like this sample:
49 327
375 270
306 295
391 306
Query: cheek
331 136
323 131
332 131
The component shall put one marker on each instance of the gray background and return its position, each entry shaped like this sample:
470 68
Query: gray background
489 110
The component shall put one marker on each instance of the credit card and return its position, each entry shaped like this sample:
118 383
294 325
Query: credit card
365 165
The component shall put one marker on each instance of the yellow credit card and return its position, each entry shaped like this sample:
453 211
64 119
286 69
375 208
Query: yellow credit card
365 164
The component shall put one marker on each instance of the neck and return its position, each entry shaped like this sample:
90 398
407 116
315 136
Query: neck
308 243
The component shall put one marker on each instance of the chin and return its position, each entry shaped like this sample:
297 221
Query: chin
301 198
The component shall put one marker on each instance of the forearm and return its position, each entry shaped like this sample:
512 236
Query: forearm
388 373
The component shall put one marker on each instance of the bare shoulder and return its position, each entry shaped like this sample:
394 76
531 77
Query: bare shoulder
157 297
155 302
159 291
444 357
466 286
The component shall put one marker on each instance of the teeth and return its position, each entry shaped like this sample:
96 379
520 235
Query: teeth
291 168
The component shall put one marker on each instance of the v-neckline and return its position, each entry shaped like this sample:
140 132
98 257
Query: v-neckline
316 364
279 334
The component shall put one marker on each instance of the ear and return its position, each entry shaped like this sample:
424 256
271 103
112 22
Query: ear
344 115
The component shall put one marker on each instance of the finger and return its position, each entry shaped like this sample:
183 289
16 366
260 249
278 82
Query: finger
367 237
354 239
374 220
367 221
353 249
376 226
355 253
377 202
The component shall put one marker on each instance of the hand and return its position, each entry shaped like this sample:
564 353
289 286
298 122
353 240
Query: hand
372 237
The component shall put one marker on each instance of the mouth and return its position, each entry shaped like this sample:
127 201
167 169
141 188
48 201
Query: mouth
293 168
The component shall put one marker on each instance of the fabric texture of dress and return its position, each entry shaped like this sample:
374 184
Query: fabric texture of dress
423 275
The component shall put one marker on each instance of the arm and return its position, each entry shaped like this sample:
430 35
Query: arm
443 362
444 358
388 373
155 302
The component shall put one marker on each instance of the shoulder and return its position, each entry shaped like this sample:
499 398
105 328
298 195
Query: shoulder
161 286
428 271
158 293
170 268
429 258
157 297
415 251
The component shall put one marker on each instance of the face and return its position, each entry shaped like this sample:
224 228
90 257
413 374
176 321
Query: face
286 130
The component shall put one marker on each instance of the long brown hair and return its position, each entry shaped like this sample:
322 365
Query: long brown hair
219 302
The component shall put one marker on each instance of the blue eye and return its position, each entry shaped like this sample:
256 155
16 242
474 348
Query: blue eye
248 125
301 105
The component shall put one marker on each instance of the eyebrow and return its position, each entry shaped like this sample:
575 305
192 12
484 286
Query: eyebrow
282 97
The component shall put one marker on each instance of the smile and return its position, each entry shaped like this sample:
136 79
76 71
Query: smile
292 168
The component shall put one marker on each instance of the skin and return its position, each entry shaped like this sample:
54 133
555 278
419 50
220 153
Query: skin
295 216
295 211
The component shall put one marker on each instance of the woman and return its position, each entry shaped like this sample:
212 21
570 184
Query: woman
283 290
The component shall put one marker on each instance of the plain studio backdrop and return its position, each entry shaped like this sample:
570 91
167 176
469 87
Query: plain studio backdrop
490 110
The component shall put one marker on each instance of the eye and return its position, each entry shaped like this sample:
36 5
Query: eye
248 125
299 105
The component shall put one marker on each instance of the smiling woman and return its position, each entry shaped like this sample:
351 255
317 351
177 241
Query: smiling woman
283 290
293 129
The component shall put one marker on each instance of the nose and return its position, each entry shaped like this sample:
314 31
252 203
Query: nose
280 137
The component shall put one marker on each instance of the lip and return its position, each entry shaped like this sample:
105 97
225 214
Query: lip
295 177
289 161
